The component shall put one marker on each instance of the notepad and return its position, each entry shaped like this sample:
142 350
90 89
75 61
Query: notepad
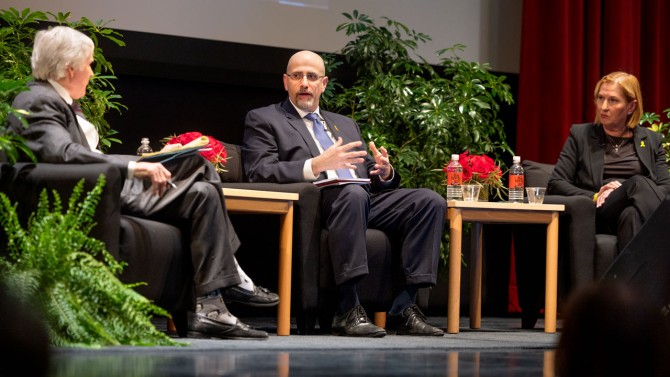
185 150
341 181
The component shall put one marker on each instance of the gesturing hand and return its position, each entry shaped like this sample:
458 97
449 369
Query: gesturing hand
383 167
338 156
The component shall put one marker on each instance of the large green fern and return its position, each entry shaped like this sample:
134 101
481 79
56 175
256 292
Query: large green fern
72 277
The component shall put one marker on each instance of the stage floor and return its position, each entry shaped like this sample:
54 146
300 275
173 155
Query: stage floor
501 347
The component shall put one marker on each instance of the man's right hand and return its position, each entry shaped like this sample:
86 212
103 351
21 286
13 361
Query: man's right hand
157 173
338 156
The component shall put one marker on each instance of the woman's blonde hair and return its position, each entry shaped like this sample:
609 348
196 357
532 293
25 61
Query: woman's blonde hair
58 48
631 90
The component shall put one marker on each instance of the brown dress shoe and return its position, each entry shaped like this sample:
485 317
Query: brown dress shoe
356 323
212 319
411 322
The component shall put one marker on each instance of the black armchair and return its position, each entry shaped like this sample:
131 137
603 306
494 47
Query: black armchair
313 293
583 255
154 251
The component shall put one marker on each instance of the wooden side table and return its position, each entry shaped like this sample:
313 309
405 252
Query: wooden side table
497 212
270 202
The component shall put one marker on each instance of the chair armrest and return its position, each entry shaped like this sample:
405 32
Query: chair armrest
578 224
306 236
23 183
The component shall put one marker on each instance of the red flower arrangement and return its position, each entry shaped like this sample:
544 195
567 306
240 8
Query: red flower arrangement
482 170
214 151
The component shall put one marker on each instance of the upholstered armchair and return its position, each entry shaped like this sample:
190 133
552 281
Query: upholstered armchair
313 294
583 255
154 251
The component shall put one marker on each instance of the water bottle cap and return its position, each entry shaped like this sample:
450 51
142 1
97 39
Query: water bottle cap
454 157
516 159
145 139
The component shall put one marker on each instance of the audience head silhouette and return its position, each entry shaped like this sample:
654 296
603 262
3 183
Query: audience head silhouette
611 329
24 340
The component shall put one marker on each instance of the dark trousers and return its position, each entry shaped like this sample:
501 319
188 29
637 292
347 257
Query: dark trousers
416 217
196 206
627 208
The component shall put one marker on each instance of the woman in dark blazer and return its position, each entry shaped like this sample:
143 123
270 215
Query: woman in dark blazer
618 164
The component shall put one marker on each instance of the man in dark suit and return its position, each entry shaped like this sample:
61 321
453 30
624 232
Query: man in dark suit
295 141
56 133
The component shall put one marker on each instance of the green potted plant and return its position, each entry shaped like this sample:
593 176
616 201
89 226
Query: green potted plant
420 113
72 280
656 125
11 144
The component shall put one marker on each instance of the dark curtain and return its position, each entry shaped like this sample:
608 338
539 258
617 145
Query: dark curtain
567 46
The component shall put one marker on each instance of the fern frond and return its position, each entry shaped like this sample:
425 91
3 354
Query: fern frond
23 283
73 276
11 225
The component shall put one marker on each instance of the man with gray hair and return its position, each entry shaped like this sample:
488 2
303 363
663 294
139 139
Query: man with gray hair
56 133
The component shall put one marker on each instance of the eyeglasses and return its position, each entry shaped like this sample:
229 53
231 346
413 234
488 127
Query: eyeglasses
311 76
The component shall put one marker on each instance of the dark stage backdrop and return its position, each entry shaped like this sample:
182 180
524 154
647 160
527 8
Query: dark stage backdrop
176 84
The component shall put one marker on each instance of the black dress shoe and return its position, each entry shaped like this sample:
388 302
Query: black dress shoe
212 320
411 322
260 296
356 323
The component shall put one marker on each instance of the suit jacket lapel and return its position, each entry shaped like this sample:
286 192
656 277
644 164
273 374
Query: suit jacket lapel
298 124
335 130
76 133
596 155
644 151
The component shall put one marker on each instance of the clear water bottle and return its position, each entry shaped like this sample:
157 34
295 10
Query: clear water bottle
516 181
454 179
144 147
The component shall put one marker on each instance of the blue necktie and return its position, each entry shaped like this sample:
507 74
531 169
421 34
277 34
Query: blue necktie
325 141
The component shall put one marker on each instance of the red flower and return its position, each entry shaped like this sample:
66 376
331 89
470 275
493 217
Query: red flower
214 151
481 169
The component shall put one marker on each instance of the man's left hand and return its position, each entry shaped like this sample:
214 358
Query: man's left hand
383 167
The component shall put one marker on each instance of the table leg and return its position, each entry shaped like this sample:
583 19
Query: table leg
476 277
551 284
285 261
380 319
454 299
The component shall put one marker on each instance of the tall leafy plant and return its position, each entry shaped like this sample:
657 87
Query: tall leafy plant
71 278
421 113
17 32
663 128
